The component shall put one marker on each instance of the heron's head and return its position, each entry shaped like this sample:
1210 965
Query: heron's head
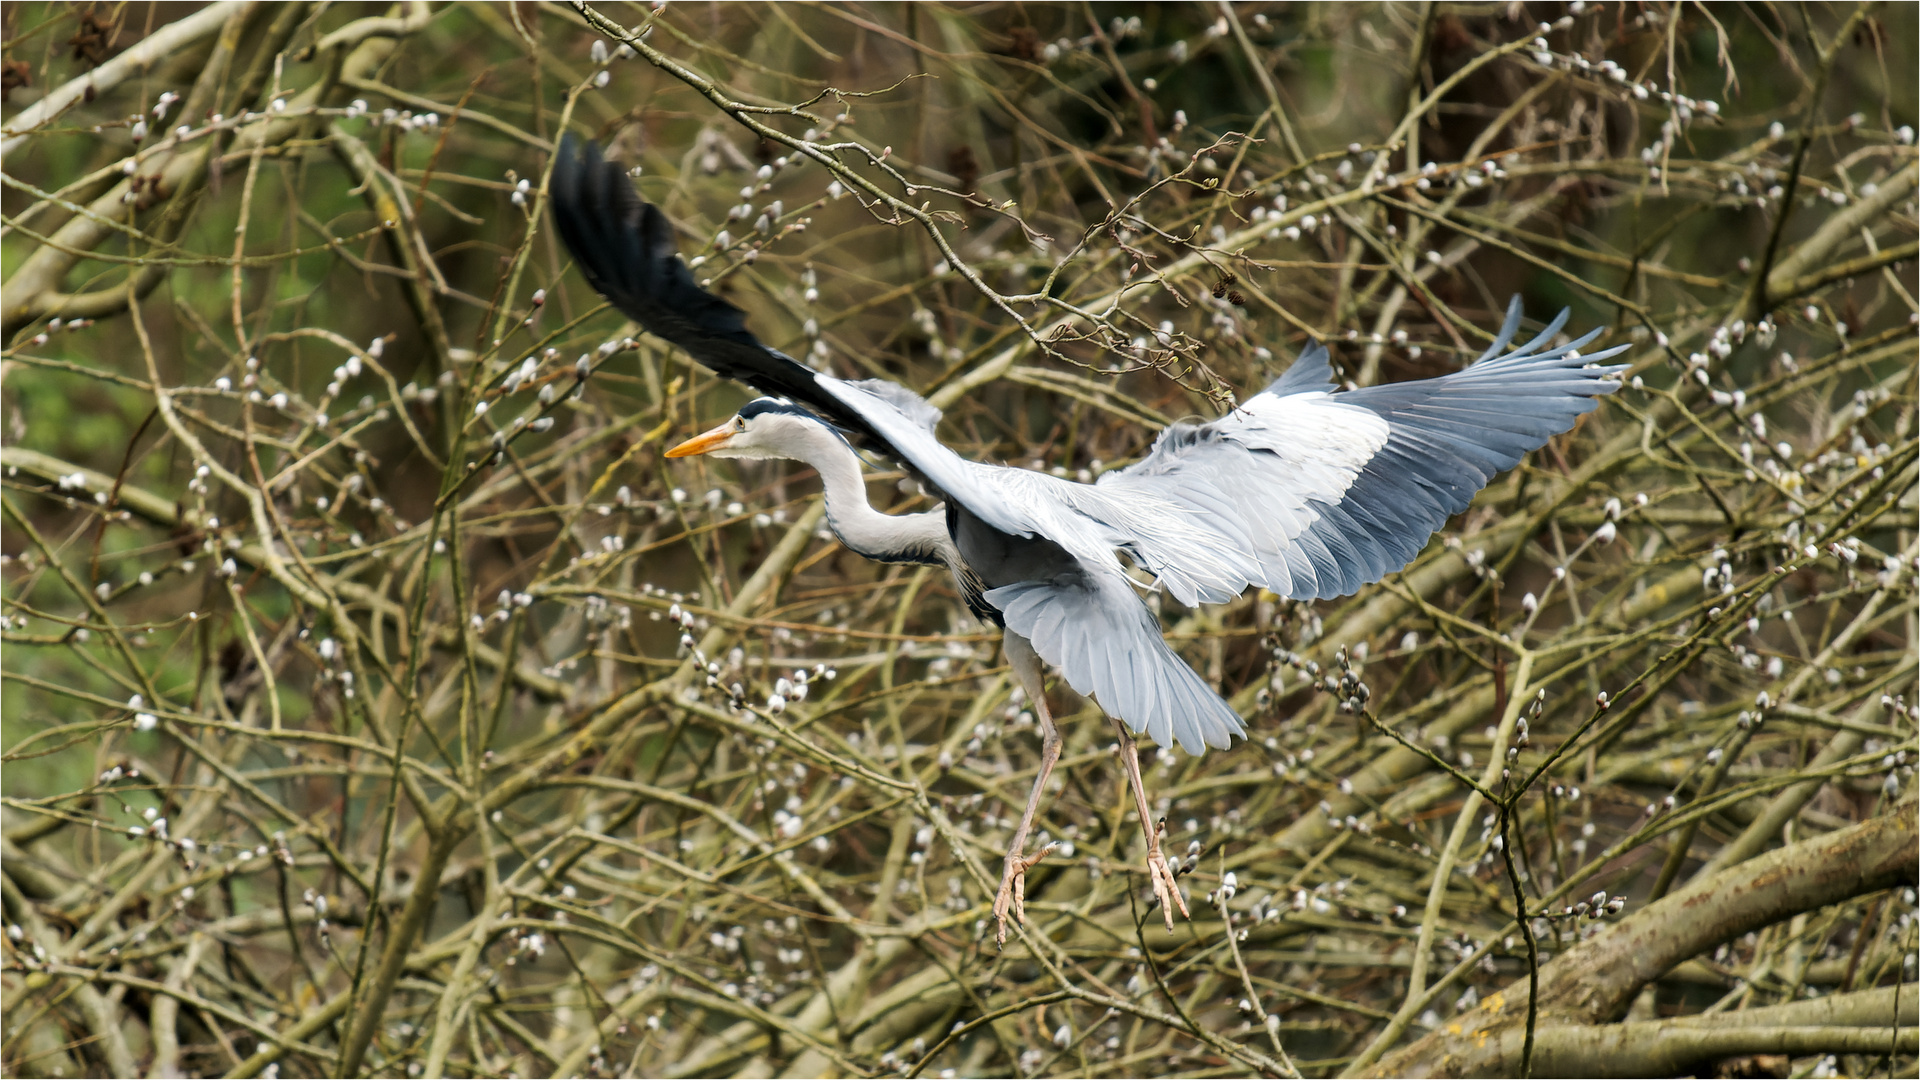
763 428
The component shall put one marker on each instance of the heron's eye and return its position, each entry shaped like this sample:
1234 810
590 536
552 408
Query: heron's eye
739 423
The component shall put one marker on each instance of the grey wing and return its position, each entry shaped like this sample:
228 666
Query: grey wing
1448 438
1328 492
1093 629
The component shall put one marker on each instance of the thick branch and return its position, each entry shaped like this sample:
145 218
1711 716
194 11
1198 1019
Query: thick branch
1594 982
163 44
1875 1021
1668 1048
1802 261
1787 804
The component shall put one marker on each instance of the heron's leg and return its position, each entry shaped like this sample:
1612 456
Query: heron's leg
1158 871
1011 900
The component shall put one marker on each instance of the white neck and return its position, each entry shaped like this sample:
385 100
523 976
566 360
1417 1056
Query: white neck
918 538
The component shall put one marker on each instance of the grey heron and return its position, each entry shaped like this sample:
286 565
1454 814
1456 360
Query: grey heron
1299 489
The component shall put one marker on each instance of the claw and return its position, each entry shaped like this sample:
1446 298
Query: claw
1011 900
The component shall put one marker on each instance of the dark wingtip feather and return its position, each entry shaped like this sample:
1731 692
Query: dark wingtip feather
625 248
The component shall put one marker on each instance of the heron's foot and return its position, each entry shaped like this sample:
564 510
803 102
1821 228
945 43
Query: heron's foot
1166 889
1011 900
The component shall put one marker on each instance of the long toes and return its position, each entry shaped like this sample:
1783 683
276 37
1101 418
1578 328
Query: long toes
1010 903
1012 897
1166 888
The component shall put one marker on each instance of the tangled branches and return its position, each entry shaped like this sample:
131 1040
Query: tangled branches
378 701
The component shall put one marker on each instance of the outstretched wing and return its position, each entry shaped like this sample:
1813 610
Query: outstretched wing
1325 492
1307 492
626 249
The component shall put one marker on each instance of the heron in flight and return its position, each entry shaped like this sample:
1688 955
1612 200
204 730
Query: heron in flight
1300 490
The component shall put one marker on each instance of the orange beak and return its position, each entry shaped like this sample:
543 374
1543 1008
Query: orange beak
704 443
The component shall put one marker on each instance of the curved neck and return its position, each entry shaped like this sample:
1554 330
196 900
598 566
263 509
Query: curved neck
917 538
